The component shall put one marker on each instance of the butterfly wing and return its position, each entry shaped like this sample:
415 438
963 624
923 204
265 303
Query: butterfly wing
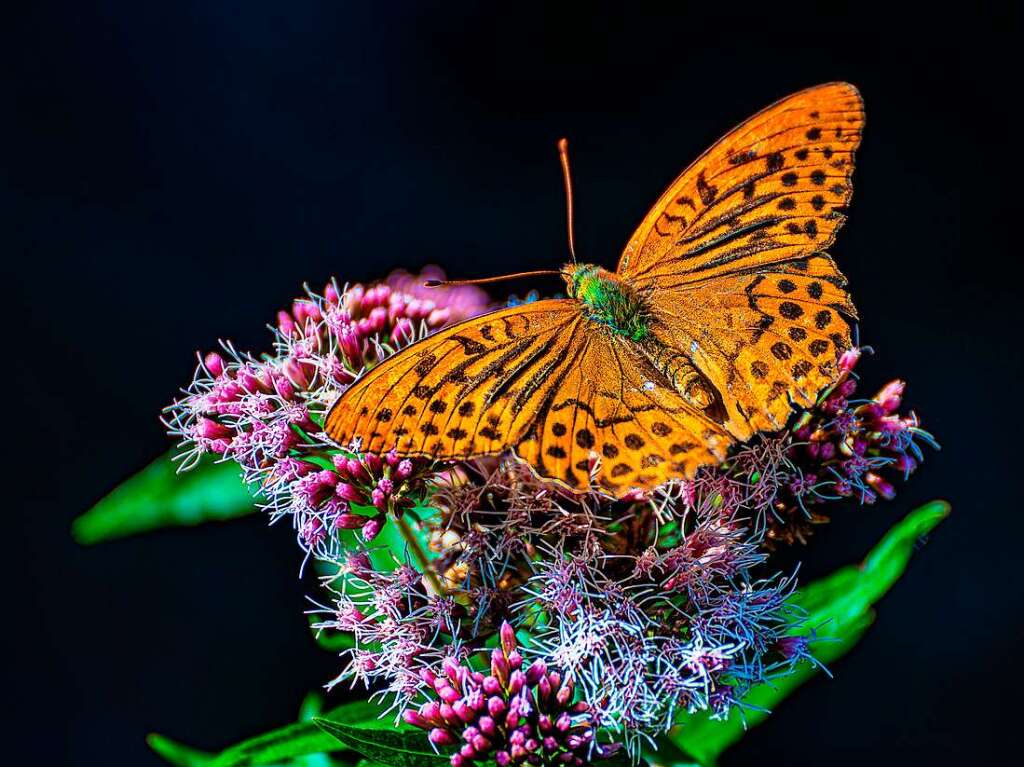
730 257
612 419
772 189
540 379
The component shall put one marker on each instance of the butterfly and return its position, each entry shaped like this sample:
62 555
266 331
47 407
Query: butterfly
724 312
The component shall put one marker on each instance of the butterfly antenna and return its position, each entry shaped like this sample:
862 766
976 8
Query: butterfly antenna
563 156
484 280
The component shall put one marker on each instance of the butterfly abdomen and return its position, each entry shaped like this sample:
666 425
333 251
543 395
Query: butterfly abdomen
609 300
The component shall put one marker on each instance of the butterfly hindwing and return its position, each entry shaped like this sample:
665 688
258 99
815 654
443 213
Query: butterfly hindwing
763 338
612 418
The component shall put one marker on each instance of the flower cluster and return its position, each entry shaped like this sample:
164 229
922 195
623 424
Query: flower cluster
511 715
267 413
632 613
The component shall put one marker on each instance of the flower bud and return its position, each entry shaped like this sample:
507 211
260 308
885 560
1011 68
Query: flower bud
372 528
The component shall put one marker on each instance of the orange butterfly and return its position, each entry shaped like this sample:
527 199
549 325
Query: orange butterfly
724 310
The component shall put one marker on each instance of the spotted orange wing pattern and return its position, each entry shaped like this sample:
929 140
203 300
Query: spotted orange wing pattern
730 257
772 189
572 400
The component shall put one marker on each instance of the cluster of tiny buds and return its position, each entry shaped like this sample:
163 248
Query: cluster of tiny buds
511 715
847 443
375 484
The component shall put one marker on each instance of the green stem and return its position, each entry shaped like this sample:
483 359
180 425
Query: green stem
420 555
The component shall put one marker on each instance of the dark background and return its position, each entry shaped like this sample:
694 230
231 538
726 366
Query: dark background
173 176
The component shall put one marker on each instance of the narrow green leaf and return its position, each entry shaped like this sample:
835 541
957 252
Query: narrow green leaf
177 754
839 610
304 737
391 747
159 497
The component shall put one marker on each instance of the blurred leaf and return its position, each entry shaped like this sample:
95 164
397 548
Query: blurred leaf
175 753
159 497
277 746
839 610
392 747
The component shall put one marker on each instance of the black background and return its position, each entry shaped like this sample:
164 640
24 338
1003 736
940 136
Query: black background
173 176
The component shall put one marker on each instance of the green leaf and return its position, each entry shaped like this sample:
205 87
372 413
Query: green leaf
177 754
839 610
391 747
296 739
159 497
277 746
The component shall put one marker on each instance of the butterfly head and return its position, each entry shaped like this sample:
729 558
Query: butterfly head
608 300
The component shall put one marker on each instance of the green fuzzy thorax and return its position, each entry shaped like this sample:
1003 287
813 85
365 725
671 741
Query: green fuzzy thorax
608 300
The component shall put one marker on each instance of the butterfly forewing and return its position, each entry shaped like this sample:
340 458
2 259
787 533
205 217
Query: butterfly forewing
468 390
730 257
774 188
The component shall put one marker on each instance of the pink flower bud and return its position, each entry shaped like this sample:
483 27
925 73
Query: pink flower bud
298 373
496 706
414 718
210 429
891 396
379 499
499 666
392 458
404 470
331 293
441 737
438 317
883 487
356 470
403 332
214 364
849 359
508 638
449 716
373 462
285 323
378 319
372 529
537 670
348 521
487 726
349 493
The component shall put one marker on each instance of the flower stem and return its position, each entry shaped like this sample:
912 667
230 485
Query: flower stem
421 556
